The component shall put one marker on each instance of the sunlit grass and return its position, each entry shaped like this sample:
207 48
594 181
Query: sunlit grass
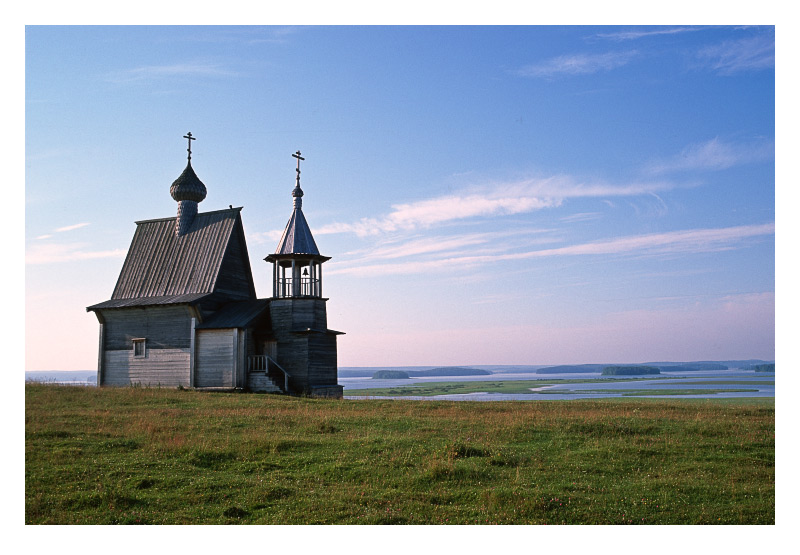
178 457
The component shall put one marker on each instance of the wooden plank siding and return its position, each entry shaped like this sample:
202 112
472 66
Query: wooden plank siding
160 367
306 350
164 327
101 355
322 363
216 358
240 370
299 314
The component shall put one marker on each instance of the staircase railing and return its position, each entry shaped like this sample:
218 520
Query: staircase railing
265 363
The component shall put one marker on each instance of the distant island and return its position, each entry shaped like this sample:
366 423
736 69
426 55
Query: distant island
570 369
443 371
390 375
696 367
589 368
630 370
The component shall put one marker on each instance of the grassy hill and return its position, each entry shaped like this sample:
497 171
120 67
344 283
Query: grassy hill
163 456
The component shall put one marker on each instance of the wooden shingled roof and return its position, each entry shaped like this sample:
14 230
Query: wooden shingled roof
297 238
163 268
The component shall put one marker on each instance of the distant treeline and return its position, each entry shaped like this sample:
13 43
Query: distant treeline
587 368
571 369
764 367
390 375
445 371
694 367
630 370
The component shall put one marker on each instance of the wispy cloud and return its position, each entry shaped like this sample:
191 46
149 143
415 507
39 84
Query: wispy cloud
578 64
499 199
672 243
266 237
714 155
638 34
186 69
581 217
427 245
67 252
456 245
62 230
425 213
71 227
731 57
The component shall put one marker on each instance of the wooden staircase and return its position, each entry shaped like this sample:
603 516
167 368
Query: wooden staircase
259 381
262 373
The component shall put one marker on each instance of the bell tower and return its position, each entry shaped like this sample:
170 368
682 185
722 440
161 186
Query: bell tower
306 348
297 263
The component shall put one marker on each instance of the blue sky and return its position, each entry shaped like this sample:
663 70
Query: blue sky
489 195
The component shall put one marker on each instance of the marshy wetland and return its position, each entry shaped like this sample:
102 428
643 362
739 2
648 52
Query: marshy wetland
530 385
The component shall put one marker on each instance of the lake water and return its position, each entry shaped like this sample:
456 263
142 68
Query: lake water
712 379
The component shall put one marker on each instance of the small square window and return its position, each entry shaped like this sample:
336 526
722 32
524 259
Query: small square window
139 348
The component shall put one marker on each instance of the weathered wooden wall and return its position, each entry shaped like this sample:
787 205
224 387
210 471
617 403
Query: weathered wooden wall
161 367
167 334
164 327
298 314
305 349
322 363
216 351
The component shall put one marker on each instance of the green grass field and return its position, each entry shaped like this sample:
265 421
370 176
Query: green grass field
161 456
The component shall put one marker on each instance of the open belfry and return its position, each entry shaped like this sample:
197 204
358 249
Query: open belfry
184 311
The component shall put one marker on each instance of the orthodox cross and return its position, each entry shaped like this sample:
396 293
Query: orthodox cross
297 155
189 150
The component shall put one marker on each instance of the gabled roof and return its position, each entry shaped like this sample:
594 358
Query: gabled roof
297 238
160 264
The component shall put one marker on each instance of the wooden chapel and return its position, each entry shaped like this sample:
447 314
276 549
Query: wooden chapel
184 312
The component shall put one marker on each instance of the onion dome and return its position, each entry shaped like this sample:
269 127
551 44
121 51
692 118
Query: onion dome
187 190
297 195
188 186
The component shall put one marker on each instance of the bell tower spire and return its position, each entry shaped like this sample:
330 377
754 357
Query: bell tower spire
297 254
297 193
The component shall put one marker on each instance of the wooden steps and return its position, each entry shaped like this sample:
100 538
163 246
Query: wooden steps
258 381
